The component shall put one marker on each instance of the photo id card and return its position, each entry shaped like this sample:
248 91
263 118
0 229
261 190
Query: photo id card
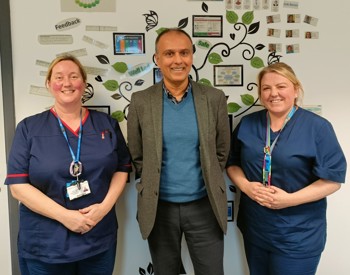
77 189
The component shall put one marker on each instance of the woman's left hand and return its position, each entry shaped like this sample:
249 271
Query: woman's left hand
274 198
94 212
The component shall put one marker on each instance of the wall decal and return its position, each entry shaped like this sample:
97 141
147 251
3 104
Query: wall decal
151 20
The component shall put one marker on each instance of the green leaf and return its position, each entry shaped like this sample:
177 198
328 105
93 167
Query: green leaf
233 107
118 115
231 17
120 67
257 62
116 96
205 81
214 58
247 99
111 85
248 17
160 30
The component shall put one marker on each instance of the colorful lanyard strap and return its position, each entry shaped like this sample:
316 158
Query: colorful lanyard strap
76 166
269 147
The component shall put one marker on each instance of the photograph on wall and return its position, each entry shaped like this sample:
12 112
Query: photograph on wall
207 26
293 18
228 75
129 43
275 47
310 20
311 35
88 6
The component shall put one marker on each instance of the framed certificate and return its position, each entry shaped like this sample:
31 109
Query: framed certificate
207 26
129 43
228 75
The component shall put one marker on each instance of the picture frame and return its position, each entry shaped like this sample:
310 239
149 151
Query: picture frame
228 75
101 108
157 75
128 43
230 211
207 25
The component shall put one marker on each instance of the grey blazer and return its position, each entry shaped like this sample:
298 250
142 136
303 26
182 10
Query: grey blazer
145 144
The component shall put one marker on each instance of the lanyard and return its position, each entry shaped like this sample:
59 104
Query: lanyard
269 147
76 166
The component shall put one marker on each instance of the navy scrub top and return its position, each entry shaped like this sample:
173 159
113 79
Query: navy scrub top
306 150
40 156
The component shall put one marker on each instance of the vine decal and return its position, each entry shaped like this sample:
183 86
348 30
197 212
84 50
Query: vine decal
243 27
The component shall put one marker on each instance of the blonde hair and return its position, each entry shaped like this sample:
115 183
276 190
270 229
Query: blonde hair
286 71
64 58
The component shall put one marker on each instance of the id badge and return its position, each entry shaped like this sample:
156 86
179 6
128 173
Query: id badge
77 189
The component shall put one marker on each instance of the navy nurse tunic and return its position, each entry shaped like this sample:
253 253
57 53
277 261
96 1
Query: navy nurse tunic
306 150
40 156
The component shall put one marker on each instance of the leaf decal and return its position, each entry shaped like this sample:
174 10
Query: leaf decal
248 17
150 268
231 17
160 30
139 82
247 99
257 62
233 36
214 58
205 7
111 85
253 28
119 115
151 20
120 67
183 23
142 271
116 96
98 78
233 188
259 47
102 59
205 82
233 107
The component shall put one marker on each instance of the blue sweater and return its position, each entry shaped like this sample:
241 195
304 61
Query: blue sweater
181 174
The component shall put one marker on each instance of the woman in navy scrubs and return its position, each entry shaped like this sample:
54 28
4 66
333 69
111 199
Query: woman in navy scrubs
68 166
286 161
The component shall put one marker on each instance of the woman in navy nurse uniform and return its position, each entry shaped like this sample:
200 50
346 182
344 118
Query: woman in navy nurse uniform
286 161
68 166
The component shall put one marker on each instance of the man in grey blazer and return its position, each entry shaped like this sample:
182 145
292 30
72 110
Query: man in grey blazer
179 139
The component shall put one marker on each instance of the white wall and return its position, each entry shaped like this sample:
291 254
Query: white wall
321 66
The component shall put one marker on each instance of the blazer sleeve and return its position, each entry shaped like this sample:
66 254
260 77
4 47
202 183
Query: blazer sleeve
134 136
223 132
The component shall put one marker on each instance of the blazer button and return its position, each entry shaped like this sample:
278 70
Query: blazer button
156 193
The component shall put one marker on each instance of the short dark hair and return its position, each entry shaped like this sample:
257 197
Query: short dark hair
165 31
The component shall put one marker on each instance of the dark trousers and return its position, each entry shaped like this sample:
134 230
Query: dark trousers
204 237
100 264
264 262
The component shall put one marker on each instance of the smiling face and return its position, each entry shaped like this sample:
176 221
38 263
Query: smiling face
174 57
277 93
66 83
